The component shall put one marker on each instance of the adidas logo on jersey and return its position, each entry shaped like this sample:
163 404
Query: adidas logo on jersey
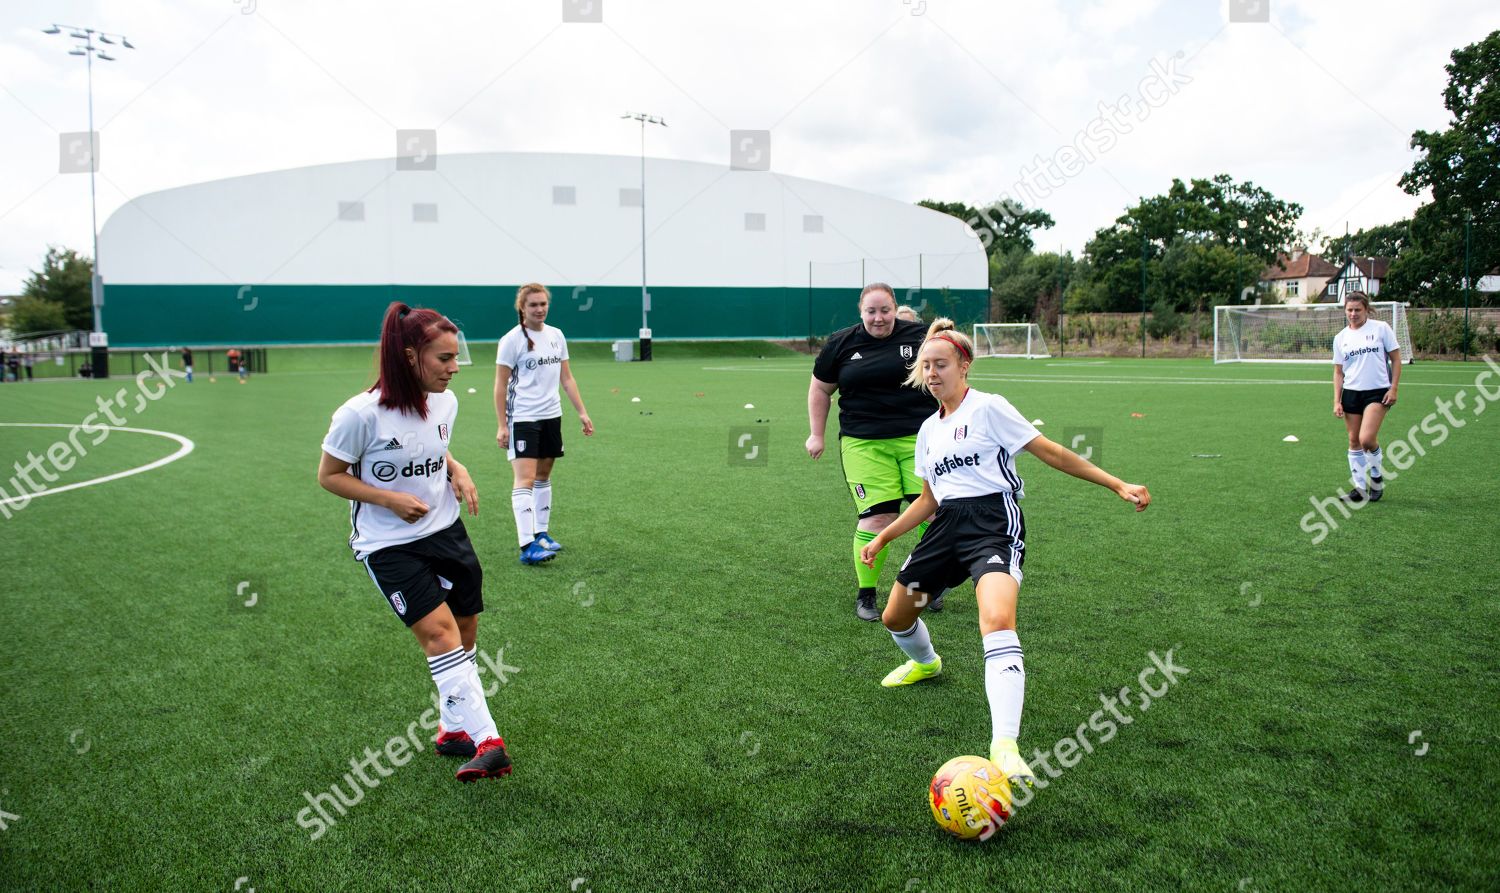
393 445
856 356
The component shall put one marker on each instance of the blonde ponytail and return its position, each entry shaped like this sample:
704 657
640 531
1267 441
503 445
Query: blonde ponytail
942 329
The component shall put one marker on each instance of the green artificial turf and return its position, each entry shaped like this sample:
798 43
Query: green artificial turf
692 705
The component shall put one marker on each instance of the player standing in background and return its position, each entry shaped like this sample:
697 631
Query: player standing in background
966 455
878 421
187 363
387 453
908 314
530 364
1366 371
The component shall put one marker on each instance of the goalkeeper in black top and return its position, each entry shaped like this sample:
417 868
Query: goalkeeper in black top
878 421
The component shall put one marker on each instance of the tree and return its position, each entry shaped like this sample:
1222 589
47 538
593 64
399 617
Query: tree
1029 287
32 314
1386 240
1002 226
1459 166
1248 221
65 278
1196 274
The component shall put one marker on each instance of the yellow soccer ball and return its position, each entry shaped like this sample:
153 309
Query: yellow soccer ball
970 797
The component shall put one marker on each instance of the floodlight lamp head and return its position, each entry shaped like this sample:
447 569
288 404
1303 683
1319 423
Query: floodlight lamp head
77 52
53 30
104 38
126 44
105 56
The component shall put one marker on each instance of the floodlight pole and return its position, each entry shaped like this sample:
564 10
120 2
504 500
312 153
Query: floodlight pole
644 119
1468 283
1143 296
88 50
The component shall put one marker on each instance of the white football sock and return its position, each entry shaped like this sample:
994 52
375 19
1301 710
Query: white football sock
450 675
522 505
542 492
461 700
1374 460
916 643
1357 468
470 654
1004 683
480 724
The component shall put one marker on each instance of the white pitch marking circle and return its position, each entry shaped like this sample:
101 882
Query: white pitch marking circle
185 447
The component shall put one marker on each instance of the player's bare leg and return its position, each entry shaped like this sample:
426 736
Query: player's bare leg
903 618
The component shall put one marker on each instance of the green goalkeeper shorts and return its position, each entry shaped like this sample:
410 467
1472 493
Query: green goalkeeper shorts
880 470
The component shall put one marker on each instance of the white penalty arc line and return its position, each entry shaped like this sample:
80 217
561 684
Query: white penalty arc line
185 446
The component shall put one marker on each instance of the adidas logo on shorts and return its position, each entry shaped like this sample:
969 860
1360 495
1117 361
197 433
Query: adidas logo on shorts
856 356
995 559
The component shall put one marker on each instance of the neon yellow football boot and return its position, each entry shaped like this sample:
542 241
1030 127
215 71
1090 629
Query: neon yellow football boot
911 671
1005 754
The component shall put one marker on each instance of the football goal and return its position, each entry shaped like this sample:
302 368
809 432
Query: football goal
1294 333
1009 339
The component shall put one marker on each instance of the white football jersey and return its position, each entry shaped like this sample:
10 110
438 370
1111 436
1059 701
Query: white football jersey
972 452
534 374
395 451
1365 355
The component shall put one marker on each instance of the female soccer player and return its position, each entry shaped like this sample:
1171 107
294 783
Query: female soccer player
531 362
878 421
908 314
1366 371
387 453
966 457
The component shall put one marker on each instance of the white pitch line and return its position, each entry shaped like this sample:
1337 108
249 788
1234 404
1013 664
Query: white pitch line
1145 379
185 447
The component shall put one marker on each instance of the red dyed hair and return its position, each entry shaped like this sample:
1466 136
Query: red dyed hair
405 327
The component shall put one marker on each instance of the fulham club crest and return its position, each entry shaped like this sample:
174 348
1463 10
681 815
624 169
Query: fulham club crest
960 432
906 351
442 431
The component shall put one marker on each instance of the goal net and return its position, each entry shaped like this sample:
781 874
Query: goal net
1294 333
1009 339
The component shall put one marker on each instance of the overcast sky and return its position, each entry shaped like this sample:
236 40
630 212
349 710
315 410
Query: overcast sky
912 99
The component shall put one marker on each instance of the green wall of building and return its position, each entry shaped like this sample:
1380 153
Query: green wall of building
149 315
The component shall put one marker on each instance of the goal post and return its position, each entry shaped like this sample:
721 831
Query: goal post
463 357
1294 333
1009 339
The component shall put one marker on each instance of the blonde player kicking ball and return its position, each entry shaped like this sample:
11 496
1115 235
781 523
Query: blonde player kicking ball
966 458
532 361
387 453
1366 371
